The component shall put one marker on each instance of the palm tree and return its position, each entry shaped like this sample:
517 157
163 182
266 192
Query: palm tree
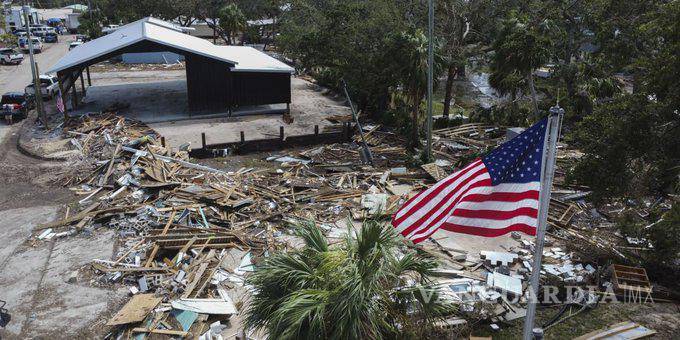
518 51
409 49
361 288
232 21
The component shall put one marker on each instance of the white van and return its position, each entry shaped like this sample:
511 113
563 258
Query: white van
40 30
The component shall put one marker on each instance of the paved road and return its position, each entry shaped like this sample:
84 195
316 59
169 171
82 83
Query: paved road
15 78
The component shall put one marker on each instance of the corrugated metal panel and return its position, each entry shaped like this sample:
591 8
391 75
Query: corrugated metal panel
161 32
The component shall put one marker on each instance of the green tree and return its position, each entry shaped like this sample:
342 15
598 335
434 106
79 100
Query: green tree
459 25
337 39
518 50
632 142
232 21
359 289
90 25
410 52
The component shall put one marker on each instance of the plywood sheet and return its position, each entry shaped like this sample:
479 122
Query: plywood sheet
135 310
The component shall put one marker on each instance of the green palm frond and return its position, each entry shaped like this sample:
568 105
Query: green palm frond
314 239
358 289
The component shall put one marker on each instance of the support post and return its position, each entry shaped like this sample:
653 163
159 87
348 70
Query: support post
89 80
281 133
203 140
62 96
82 83
547 172
243 137
74 94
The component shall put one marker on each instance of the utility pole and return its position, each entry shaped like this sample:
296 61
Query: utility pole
430 71
34 68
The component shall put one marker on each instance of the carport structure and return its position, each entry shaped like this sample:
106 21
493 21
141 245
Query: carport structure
217 77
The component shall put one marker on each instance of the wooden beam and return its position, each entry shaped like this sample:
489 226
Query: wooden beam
74 94
82 83
159 331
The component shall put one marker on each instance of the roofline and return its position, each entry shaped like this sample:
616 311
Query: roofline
145 37
262 70
54 70
191 51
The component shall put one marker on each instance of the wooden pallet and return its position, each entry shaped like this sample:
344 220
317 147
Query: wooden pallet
630 279
560 213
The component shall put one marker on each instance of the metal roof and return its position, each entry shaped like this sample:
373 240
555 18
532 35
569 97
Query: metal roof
165 33
252 60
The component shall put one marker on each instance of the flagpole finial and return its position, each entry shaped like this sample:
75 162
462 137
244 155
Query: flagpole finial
556 110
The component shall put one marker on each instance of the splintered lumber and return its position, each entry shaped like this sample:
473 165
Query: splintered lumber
68 220
160 331
435 171
88 212
135 310
170 159
140 270
152 256
197 278
105 179
626 330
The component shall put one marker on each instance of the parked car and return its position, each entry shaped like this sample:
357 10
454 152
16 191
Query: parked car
37 44
49 86
10 56
51 37
40 30
15 105
20 33
82 38
74 45
110 28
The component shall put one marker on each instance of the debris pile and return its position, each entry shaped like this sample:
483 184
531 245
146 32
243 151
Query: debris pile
188 233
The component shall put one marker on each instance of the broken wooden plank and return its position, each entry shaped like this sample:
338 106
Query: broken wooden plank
135 310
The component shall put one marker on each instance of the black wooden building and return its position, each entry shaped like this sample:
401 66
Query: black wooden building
217 77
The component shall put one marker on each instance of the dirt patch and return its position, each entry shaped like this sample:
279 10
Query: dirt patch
664 318
26 181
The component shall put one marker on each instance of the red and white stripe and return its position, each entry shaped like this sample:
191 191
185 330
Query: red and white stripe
467 202
60 103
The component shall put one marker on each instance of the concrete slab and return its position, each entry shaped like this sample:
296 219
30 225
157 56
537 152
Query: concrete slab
65 307
33 278
159 98
475 244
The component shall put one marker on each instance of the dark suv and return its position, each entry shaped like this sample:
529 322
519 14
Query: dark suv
15 105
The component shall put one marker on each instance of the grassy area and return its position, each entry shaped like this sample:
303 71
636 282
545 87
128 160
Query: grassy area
660 317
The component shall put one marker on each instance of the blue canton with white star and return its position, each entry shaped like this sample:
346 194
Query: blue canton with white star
519 159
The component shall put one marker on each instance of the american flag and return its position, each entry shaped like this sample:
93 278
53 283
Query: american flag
490 197
60 103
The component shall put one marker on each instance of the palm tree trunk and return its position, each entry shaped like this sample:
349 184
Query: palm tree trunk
415 109
449 89
533 92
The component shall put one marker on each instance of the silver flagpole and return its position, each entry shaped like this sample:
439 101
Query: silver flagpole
548 169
